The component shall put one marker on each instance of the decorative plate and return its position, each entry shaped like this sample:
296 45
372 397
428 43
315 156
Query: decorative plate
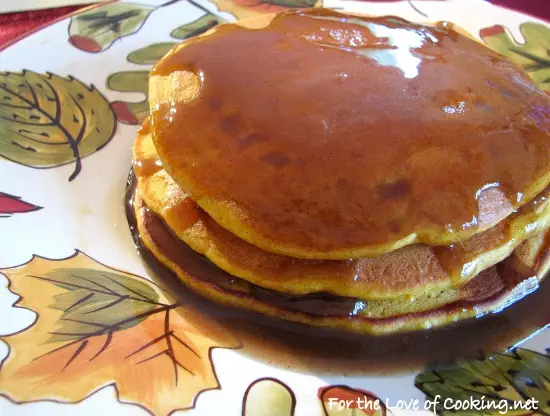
87 329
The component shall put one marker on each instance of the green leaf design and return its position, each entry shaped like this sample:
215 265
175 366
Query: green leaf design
130 81
504 379
138 81
150 54
533 55
98 300
97 29
198 27
48 121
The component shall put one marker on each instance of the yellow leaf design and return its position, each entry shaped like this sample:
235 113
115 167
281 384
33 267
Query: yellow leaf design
268 397
97 326
47 120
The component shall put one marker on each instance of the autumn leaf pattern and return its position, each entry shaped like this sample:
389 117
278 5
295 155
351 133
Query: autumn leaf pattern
11 204
243 9
533 55
48 121
150 54
98 326
130 81
271 397
197 27
98 28
510 377
138 81
268 397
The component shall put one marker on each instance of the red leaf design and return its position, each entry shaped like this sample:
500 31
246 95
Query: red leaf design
10 204
123 113
492 31
84 43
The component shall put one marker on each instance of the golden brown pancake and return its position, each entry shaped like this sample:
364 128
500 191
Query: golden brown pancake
492 290
418 271
328 136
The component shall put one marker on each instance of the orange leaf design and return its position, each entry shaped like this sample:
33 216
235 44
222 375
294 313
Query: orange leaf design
97 326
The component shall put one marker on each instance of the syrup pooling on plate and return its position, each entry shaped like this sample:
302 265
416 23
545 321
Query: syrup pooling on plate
328 136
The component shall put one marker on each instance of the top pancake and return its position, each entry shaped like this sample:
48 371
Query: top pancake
327 136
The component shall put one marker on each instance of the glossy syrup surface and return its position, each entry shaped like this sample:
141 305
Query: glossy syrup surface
331 131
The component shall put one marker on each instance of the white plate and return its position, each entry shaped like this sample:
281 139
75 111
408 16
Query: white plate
83 328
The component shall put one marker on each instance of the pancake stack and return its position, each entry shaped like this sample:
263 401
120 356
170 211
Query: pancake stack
364 174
